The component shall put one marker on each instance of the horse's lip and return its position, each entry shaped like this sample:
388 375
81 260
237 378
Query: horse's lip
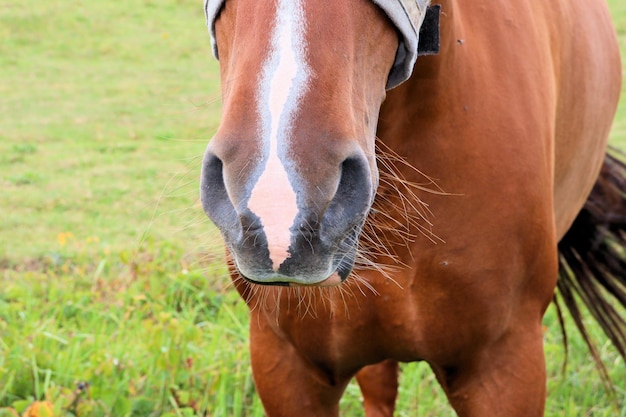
332 281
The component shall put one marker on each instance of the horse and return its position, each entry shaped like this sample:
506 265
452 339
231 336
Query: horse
407 180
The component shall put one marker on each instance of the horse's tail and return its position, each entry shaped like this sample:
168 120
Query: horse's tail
592 260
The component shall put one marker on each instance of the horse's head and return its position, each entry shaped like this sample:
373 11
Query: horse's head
291 174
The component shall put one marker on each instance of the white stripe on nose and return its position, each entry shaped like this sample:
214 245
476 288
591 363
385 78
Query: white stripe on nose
284 79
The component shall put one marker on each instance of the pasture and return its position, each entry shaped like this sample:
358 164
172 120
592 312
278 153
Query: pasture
114 300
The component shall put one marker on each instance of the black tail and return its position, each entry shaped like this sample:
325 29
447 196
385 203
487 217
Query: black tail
592 259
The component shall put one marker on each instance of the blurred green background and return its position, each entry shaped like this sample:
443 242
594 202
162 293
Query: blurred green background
105 109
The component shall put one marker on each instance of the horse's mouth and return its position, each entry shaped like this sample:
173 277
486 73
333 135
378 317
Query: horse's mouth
309 264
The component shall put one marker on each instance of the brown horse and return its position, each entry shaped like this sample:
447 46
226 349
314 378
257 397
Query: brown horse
380 208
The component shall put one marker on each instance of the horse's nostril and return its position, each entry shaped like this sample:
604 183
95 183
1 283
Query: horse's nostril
214 196
211 182
353 198
355 190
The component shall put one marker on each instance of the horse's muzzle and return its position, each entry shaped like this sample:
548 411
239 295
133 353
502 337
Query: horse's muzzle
320 245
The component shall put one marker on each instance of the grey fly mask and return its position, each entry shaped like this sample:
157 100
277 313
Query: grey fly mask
408 17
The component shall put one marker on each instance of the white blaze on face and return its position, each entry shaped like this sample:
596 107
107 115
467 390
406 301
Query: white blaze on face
284 80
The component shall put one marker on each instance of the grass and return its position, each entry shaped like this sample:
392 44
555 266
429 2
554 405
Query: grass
113 297
102 105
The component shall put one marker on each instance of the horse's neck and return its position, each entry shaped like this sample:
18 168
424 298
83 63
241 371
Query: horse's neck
423 97
406 120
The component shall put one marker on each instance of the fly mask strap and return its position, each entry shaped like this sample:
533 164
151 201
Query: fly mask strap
408 17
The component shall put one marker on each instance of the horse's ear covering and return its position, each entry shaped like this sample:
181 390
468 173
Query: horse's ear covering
429 32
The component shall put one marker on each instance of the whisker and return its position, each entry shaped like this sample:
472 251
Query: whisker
397 219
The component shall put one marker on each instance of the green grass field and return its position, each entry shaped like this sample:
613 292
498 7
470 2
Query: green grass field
114 300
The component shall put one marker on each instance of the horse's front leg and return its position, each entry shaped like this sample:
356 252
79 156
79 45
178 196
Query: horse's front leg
504 379
288 384
379 386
